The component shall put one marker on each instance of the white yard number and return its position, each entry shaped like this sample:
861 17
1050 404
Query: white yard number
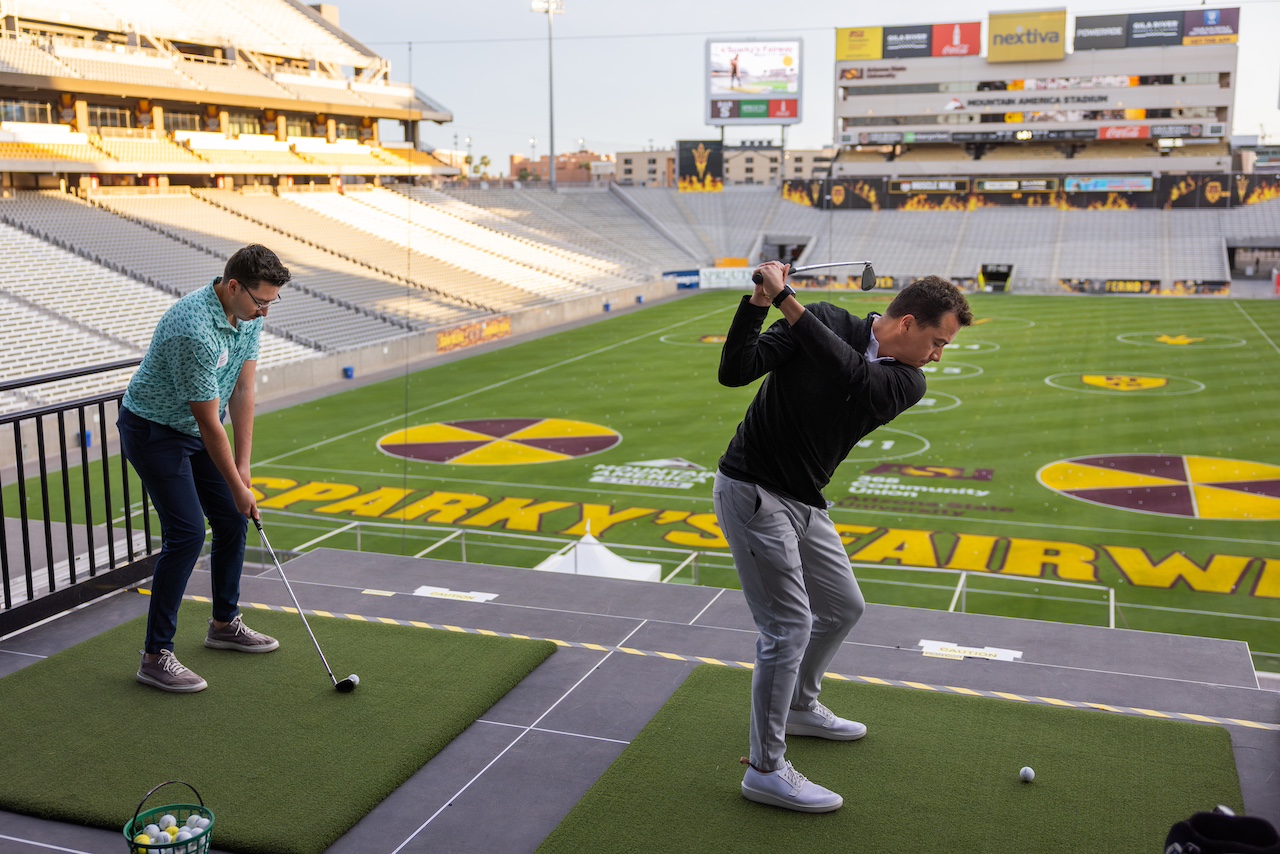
885 444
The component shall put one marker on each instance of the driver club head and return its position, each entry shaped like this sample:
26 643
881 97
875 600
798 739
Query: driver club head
346 686
868 278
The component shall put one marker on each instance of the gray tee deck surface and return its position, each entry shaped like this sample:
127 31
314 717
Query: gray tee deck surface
507 781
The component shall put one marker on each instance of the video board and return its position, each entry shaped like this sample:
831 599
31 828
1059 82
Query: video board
753 82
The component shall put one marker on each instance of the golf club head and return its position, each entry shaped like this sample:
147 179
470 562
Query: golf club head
346 686
868 278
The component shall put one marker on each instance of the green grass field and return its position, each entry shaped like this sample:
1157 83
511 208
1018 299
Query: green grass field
1171 401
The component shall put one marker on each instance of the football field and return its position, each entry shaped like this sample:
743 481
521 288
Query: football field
1104 460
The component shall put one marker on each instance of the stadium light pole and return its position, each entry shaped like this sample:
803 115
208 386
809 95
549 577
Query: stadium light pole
550 8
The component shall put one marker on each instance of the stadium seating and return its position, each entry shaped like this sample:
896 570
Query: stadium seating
157 151
19 55
599 223
423 272
403 228
1023 151
224 76
166 262
933 153
222 232
102 66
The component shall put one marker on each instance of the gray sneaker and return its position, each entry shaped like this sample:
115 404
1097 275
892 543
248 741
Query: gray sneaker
236 635
168 674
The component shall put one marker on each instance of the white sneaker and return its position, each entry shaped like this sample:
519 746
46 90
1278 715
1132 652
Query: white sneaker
789 789
821 722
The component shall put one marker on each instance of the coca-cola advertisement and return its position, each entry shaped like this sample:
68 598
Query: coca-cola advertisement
1127 132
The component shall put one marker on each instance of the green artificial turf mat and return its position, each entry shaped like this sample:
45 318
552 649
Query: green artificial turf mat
935 773
285 762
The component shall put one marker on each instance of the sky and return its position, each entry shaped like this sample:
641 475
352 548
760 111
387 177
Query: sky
629 76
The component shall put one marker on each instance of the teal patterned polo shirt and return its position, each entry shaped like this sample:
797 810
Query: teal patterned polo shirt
195 355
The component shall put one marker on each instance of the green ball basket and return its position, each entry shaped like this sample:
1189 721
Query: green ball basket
197 844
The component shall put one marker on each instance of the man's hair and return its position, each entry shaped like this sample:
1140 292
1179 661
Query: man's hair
928 300
256 264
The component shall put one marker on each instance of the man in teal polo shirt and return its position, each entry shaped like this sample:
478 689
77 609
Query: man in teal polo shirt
200 366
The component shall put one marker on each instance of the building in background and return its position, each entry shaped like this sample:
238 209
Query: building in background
646 168
577 168
765 163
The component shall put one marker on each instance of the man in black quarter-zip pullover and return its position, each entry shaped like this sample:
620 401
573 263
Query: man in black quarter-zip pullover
830 379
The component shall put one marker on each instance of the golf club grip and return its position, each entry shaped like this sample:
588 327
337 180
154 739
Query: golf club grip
758 279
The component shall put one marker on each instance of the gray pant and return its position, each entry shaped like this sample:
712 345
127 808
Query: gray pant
803 597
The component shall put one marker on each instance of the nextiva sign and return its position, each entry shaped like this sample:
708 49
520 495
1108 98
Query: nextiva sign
1027 36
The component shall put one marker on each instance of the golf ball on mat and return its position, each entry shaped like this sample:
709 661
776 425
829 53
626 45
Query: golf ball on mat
1026 775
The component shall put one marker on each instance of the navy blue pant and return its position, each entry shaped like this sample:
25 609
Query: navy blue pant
185 488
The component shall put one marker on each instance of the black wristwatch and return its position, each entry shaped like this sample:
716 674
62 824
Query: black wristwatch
787 291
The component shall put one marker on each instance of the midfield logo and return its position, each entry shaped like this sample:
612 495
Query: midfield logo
1117 382
947 472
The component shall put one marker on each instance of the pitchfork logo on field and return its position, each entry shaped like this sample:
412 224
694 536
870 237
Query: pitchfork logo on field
1120 382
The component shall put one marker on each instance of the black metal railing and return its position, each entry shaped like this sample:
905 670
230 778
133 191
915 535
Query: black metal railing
68 482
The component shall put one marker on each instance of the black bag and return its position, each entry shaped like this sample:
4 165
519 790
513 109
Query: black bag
1222 833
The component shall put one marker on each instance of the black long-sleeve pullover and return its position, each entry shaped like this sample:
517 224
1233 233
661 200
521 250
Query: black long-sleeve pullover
821 396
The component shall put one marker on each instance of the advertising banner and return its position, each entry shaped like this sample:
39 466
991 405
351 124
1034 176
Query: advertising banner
1110 286
1198 287
1027 36
957 39
1126 132
472 334
1102 32
1152 29
684 279
1211 26
700 166
1194 191
907 42
753 82
1108 183
855 44
863 194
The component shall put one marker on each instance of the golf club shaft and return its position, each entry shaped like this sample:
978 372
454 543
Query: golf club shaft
287 586
758 279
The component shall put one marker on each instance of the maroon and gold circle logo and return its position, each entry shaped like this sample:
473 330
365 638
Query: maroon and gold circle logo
499 441
1171 485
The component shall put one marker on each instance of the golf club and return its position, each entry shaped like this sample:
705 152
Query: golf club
868 274
347 685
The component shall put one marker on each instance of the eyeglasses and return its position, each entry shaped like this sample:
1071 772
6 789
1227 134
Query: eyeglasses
261 304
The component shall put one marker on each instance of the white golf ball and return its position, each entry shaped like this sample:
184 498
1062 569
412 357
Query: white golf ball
167 821
1026 775
193 820
151 830
204 822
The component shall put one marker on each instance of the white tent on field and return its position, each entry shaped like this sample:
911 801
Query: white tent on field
589 556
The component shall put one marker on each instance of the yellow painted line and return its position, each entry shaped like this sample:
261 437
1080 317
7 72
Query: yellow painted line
1250 724
377 593
1011 696
288 609
747 665
1201 718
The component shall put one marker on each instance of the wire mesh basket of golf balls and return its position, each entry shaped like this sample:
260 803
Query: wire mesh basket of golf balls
172 828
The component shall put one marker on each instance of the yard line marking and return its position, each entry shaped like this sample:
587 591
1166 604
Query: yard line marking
402 417
709 604
21 841
1256 326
